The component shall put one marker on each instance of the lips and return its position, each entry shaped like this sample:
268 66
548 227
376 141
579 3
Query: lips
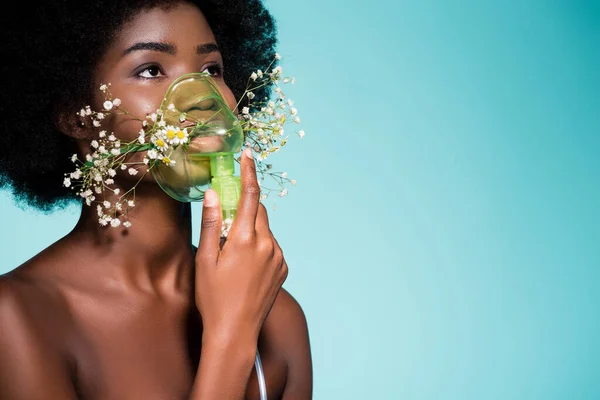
207 144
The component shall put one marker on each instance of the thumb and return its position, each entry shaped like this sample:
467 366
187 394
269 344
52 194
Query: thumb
210 231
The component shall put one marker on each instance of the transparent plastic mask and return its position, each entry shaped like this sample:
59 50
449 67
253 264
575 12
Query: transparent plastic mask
215 135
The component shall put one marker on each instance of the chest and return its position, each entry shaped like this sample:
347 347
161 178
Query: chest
149 354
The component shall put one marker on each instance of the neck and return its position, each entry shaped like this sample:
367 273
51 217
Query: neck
154 254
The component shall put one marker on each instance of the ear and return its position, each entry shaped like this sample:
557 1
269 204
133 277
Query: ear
73 124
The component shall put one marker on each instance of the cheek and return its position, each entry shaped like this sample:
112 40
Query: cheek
229 97
126 121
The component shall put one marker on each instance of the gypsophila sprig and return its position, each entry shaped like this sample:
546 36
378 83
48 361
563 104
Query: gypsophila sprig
264 129
94 176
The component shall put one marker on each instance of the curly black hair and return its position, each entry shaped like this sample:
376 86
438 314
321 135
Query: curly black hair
49 53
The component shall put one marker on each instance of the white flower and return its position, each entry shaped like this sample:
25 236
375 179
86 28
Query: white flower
245 111
127 224
259 73
297 120
250 95
115 152
117 191
96 123
103 221
168 161
74 157
171 107
254 76
181 136
109 181
76 174
123 167
94 144
106 204
301 134
108 105
102 134
112 172
130 203
100 116
132 171
283 193
152 154
293 111
117 102
293 182
277 56
283 174
67 182
103 87
112 137
115 222
146 160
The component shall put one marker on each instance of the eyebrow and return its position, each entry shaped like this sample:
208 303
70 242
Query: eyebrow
206 48
153 46
169 48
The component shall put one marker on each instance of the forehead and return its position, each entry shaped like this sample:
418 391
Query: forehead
182 24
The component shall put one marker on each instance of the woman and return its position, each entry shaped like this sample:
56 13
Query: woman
138 313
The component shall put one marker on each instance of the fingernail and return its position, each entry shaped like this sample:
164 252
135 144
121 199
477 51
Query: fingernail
210 198
248 153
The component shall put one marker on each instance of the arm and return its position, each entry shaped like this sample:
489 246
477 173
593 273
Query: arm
294 344
225 365
31 366
237 283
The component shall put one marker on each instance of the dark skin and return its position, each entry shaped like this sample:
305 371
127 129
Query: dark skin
137 313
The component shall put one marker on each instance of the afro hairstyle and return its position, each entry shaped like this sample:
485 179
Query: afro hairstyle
50 52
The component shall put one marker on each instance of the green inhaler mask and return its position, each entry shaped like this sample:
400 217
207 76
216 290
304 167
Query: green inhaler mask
195 102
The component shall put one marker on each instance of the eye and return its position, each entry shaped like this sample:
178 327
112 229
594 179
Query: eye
214 70
150 72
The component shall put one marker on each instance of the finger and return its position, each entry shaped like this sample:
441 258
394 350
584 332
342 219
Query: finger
247 210
262 221
210 231
284 272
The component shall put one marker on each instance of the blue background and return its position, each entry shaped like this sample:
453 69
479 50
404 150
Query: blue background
443 238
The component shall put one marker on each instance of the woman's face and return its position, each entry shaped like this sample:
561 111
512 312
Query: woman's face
151 51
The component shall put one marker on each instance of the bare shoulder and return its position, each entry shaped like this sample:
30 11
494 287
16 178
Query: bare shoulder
30 304
33 363
288 332
289 315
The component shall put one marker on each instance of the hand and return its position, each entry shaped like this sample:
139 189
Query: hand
236 285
